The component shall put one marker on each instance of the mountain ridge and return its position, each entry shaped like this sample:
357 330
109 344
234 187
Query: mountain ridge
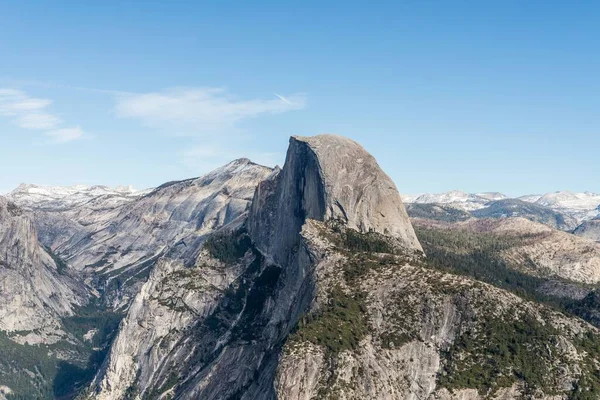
315 304
309 281
585 205
578 206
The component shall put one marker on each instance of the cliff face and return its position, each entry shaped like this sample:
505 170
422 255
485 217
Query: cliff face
35 292
327 178
322 291
185 283
115 244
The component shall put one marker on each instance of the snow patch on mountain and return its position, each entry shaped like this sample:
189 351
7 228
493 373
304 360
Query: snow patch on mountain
64 197
580 206
456 198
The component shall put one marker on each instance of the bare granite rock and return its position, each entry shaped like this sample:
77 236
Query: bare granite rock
34 292
301 315
326 177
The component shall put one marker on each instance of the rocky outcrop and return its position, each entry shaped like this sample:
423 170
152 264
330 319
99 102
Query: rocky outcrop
4 391
326 178
169 304
545 252
421 332
296 283
185 283
115 247
35 290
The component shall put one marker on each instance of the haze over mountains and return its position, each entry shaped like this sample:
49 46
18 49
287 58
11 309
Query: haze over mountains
312 280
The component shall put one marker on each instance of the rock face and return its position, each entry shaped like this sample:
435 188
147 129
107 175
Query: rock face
185 283
35 291
114 241
325 178
128 244
111 249
589 229
321 291
356 190
389 326
296 283
416 319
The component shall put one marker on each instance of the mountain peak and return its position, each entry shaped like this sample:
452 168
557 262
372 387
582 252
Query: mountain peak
327 177
356 189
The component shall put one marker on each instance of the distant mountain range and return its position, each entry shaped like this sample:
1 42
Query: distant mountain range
63 197
578 206
563 210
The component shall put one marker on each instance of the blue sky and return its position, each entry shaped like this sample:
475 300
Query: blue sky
471 95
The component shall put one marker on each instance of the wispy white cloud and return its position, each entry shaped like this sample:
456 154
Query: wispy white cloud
32 113
64 135
38 120
53 85
201 111
212 116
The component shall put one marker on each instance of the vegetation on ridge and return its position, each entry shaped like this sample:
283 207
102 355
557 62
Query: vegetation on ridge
489 351
339 326
228 247
341 323
498 353
477 255
503 352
